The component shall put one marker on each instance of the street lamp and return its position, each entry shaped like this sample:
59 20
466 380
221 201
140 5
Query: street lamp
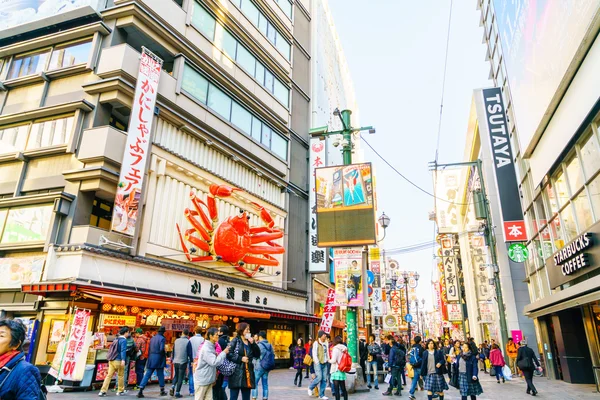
384 221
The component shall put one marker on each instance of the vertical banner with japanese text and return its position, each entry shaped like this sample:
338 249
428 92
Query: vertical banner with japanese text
129 190
450 268
349 289
328 312
317 262
73 362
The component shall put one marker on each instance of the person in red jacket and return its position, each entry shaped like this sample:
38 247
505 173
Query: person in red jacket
497 361
308 347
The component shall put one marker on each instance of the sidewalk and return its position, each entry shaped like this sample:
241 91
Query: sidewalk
280 387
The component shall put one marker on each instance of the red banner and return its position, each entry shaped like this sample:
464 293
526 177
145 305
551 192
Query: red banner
76 344
328 312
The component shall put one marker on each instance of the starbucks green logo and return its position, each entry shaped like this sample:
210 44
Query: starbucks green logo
518 252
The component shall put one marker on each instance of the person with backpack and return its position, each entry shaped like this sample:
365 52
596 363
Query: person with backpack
433 368
205 374
374 352
181 357
265 364
415 358
117 356
132 353
338 372
157 361
396 363
141 342
18 378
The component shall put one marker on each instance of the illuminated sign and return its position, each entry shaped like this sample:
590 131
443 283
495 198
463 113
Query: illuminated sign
117 320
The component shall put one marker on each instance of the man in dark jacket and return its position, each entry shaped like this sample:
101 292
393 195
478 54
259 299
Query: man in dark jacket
527 362
374 350
116 363
362 351
396 362
157 361
218 389
416 360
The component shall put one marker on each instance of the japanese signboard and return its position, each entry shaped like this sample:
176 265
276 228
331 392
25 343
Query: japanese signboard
175 324
486 312
345 206
478 254
447 184
396 302
328 312
454 312
376 302
117 320
129 190
317 262
75 352
450 269
348 277
493 119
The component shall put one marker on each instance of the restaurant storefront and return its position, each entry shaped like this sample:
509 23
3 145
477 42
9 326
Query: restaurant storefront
568 321
119 290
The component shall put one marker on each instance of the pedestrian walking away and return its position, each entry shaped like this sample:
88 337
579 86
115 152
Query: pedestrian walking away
117 356
141 342
338 377
415 358
363 354
299 355
320 356
205 373
497 362
265 364
433 368
18 378
467 371
374 351
181 359
527 362
243 351
308 348
396 363
157 361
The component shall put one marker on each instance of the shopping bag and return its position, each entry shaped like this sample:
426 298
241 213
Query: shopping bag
507 373
307 360
410 371
388 378
492 371
488 364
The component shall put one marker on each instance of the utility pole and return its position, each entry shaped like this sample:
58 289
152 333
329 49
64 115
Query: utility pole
346 132
489 239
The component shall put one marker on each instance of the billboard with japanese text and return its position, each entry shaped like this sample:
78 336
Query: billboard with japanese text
317 262
345 206
133 167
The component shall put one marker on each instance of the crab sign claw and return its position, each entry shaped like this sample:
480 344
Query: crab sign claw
222 190
264 215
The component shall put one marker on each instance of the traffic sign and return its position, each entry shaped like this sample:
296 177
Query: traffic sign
518 252
370 277
408 318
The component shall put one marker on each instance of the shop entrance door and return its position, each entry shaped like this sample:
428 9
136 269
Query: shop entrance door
572 350
553 351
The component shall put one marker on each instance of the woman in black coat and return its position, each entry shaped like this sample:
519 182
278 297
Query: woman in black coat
433 368
526 361
243 350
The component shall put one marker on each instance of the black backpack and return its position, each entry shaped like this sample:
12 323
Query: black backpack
113 350
399 357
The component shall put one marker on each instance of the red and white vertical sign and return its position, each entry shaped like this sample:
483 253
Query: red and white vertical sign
76 344
129 190
328 312
317 262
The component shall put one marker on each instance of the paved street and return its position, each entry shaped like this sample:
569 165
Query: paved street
281 388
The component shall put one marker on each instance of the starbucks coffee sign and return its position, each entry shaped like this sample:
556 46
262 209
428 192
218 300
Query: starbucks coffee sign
577 258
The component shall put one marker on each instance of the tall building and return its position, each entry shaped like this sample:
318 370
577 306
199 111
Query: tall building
544 56
232 111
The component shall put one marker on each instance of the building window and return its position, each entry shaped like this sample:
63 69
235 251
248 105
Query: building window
101 214
590 154
60 56
594 189
25 224
225 41
198 86
286 7
568 223
39 134
13 138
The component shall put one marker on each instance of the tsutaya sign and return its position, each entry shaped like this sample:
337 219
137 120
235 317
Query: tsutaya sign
494 113
577 258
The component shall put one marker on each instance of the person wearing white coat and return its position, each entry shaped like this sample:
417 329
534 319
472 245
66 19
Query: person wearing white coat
338 377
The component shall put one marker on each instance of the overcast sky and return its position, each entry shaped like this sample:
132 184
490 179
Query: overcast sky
395 50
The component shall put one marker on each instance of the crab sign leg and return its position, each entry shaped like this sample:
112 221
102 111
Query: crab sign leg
260 261
197 202
189 215
264 237
186 250
266 250
218 191
264 215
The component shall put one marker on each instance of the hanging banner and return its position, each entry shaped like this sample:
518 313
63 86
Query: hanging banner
447 184
317 262
396 302
450 269
328 312
492 110
75 355
478 254
133 167
376 302
454 312
348 277
486 312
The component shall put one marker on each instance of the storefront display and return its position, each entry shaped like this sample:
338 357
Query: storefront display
281 337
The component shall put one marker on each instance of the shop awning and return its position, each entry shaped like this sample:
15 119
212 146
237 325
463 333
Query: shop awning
43 289
150 301
295 316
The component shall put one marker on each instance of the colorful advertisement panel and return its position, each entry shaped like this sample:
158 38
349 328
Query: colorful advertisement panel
16 271
75 354
328 312
348 277
133 168
345 207
539 41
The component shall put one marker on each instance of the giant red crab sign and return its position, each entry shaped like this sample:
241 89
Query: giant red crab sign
233 240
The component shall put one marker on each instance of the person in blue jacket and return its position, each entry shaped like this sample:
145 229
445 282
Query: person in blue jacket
116 363
467 369
19 380
157 361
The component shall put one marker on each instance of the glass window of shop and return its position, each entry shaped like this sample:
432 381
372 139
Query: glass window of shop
55 131
25 224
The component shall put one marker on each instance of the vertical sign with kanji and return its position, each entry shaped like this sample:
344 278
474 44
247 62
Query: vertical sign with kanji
450 269
328 312
76 348
129 190
317 262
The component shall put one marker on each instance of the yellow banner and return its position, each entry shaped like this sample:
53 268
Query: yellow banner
117 320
